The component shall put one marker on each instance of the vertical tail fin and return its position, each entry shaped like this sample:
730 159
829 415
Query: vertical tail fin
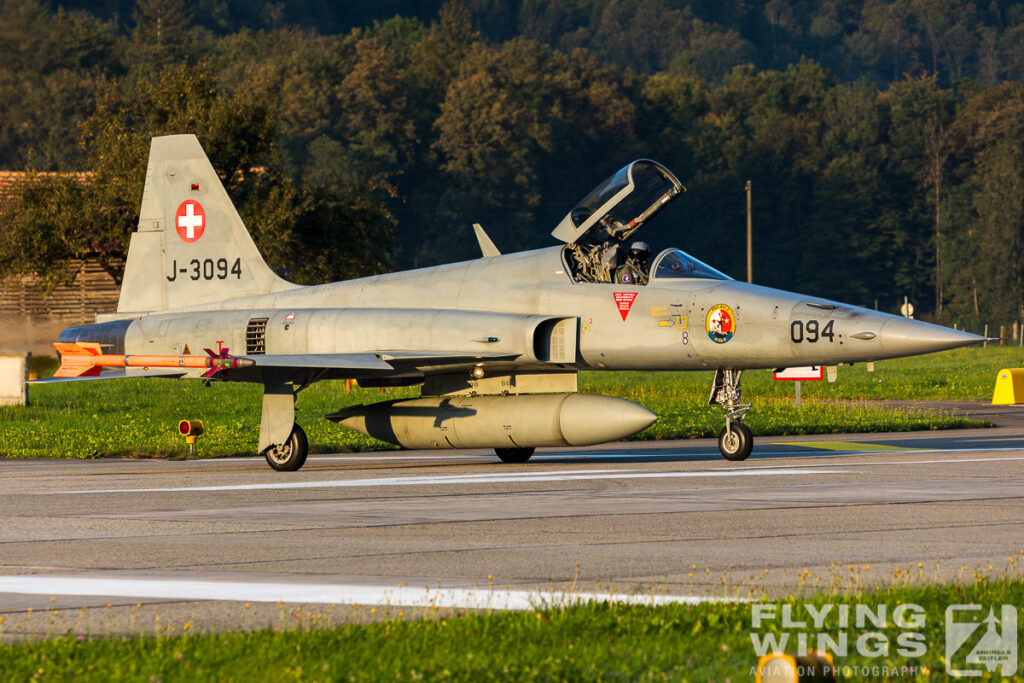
191 246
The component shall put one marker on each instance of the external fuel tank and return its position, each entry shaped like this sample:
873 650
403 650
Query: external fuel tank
523 421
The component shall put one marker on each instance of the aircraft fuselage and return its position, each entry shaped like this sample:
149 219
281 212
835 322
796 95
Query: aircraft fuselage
493 304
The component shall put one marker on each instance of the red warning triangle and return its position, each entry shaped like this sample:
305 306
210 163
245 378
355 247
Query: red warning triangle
624 300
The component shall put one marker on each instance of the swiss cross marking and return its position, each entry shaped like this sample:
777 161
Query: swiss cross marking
624 301
190 220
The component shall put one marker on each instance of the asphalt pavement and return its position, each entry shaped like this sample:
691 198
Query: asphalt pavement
119 546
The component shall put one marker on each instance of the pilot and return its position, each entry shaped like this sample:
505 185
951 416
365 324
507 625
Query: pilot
634 270
639 253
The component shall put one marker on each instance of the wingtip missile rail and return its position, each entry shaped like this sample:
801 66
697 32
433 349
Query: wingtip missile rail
86 359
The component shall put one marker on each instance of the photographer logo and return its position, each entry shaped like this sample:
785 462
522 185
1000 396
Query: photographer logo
974 645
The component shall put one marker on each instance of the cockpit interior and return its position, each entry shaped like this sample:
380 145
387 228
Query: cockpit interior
598 231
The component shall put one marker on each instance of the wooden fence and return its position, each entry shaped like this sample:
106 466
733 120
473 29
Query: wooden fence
92 291
32 320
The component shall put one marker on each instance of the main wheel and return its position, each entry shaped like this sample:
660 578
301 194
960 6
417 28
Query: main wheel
290 455
514 454
735 442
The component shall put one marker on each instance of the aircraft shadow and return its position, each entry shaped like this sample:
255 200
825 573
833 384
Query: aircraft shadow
931 442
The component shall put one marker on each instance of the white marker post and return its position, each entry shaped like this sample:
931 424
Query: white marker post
812 373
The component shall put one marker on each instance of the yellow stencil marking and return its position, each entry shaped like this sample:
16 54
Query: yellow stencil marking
845 446
666 319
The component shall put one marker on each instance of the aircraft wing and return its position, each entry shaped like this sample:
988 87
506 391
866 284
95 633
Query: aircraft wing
380 364
442 357
322 361
383 361
81 362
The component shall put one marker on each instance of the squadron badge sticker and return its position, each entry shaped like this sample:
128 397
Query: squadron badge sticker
720 324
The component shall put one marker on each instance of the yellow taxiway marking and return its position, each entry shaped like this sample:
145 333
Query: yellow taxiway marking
845 446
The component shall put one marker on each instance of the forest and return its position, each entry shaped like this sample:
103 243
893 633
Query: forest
883 139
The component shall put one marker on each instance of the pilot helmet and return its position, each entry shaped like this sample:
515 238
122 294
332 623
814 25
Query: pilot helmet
640 251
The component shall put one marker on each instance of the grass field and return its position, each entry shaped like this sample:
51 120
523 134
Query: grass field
138 417
967 374
591 642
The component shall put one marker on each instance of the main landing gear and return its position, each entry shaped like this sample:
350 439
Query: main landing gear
735 440
290 455
282 442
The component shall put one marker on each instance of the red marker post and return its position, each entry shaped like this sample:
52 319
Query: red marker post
810 373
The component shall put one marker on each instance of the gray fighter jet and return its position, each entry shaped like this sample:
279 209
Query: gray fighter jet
496 343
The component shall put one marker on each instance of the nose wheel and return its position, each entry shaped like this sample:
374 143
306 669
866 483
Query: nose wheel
735 442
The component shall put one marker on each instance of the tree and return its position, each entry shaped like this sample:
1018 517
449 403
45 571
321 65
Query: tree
379 131
781 18
921 114
29 242
438 57
986 214
523 125
57 220
162 33
50 66
494 128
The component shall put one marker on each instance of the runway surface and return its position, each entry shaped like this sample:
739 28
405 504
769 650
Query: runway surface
141 545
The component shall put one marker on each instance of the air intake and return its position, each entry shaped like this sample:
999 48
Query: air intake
555 340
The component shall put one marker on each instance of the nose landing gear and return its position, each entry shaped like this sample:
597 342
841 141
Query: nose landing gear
735 440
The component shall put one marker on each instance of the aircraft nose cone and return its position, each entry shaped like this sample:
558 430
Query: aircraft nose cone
906 337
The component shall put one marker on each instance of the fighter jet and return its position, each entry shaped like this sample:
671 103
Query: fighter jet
495 343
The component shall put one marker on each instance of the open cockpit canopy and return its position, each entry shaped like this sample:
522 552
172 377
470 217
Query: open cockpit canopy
621 204
596 230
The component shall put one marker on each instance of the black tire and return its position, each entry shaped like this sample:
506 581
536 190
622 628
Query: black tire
737 443
291 455
514 454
